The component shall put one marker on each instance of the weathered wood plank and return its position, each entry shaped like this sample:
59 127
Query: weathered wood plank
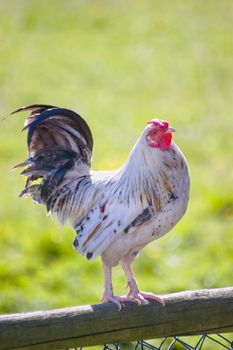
184 313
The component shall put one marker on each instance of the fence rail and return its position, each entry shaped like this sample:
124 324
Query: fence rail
185 313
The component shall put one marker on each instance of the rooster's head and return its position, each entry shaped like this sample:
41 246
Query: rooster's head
159 134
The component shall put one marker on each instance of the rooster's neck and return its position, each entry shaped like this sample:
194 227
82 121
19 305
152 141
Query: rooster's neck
142 167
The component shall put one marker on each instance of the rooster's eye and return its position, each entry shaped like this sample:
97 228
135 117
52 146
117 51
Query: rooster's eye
153 132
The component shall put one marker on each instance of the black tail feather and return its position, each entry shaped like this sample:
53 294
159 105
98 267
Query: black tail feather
35 108
43 112
58 139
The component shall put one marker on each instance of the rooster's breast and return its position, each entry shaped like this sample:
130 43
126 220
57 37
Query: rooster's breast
171 199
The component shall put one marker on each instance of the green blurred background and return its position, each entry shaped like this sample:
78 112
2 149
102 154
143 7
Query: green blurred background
118 63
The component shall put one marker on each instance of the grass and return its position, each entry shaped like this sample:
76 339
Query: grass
118 64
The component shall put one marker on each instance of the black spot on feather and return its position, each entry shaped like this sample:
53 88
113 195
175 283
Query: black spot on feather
145 216
173 197
89 255
75 243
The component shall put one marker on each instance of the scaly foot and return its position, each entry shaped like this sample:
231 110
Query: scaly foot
136 297
119 301
141 297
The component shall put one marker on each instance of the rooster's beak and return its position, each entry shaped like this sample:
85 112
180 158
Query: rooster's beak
169 130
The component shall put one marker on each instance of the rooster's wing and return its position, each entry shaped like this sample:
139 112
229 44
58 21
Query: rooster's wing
106 221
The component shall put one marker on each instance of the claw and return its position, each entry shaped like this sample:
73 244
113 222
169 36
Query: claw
139 298
143 296
129 298
113 299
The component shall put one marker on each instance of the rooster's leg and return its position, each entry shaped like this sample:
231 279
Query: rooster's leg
108 290
134 292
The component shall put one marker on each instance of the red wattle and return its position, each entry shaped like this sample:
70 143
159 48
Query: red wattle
165 142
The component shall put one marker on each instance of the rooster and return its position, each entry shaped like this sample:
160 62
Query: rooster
114 213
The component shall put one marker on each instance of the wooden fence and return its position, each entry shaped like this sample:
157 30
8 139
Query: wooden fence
185 313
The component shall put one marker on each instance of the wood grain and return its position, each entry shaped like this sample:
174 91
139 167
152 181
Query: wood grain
185 313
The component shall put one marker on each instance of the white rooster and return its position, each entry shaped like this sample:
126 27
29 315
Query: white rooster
114 213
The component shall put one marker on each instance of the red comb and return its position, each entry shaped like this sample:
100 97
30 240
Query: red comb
160 123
